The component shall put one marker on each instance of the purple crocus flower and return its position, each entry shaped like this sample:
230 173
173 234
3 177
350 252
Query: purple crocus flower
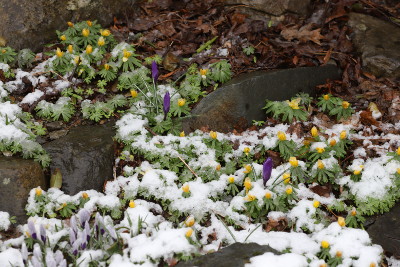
72 237
32 229
87 231
42 233
50 261
24 252
154 71
75 247
37 252
83 216
99 223
112 232
58 256
167 103
267 170
74 225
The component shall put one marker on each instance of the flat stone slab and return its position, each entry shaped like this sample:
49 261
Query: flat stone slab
17 177
241 100
386 231
274 7
85 157
378 42
235 255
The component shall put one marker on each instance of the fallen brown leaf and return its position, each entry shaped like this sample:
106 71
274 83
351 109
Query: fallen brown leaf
303 34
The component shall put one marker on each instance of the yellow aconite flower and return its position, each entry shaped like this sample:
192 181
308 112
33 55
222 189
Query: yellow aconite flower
320 164
286 177
332 142
345 104
105 33
101 41
203 72
185 188
63 37
293 161
324 244
247 168
38 191
372 264
132 204
353 212
89 49
77 59
59 53
326 97
218 167
294 104
85 32
316 203
281 136
64 205
320 150
338 254
89 23
250 197
358 170
341 221
268 195
314 131
182 134
106 66
134 93
343 135
70 24
189 233
189 222
289 190
181 102
3 51
70 49
127 53
247 183
85 195
213 135
246 150
231 179
398 151
323 265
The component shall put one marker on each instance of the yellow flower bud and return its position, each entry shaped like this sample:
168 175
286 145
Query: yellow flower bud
323 265
213 135
345 104
293 161
247 183
64 205
203 72
314 131
105 33
189 222
134 93
85 32
185 188
59 53
353 212
320 150
332 142
182 134
77 59
189 233
218 167
132 204
89 49
3 51
70 49
247 168
289 190
231 179
38 191
326 97
324 244
250 197
126 53
268 195
343 135
338 254
106 66
101 41
63 37
320 164
85 195
281 136
341 221
89 23
372 264
316 204
246 150
70 24
358 170
181 102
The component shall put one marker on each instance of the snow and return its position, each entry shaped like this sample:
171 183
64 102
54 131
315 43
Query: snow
11 257
32 97
285 260
4 221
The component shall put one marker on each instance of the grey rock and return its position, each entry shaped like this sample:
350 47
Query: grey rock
54 125
17 177
386 231
274 7
31 24
378 43
57 134
236 255
241 100
84 156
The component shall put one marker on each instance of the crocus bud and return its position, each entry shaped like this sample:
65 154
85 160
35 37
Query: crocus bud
83 216
32 229
267 170
42 233
154 71
167 103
